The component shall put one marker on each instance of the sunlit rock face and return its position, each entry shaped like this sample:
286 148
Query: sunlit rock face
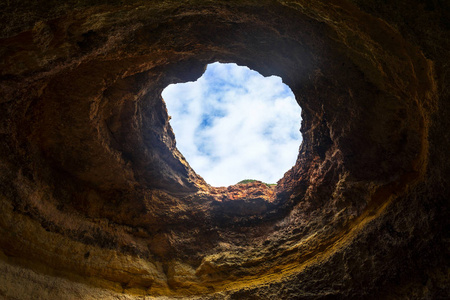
96 202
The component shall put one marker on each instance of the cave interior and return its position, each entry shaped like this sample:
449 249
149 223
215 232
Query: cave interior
97 202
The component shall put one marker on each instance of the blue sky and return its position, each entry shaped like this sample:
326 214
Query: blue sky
234 124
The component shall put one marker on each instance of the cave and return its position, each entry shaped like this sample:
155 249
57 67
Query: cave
96 201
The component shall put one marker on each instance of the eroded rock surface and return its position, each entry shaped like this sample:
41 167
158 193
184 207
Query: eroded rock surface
96 202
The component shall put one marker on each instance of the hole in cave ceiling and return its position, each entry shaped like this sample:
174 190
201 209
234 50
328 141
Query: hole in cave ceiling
234 124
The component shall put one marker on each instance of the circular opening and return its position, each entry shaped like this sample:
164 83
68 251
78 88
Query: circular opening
234 124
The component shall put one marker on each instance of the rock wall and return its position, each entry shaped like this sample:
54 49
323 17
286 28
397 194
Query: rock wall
97 202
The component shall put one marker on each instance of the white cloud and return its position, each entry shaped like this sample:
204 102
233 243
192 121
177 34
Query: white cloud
233 124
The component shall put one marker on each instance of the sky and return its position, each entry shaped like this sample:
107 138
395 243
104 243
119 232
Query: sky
234 124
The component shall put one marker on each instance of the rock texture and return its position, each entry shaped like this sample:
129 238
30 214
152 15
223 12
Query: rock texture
96 202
